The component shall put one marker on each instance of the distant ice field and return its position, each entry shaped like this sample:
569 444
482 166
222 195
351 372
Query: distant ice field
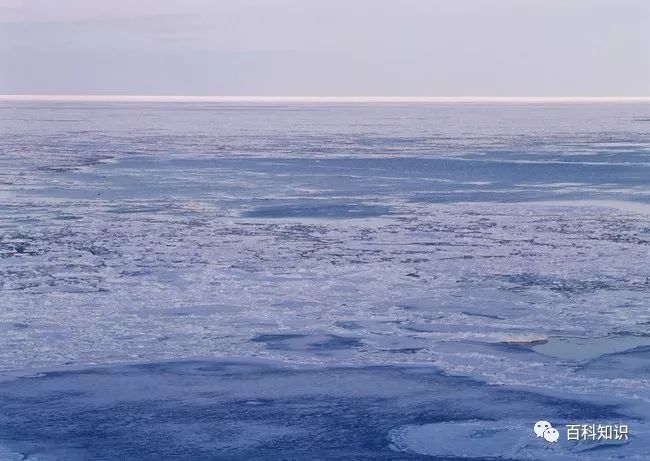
504 244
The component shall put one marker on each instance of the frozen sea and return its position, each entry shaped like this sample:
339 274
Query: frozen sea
316 281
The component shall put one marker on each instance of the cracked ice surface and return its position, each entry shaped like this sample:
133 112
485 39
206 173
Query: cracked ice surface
322 235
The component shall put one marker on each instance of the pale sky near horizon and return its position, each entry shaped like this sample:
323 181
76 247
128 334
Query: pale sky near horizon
326 47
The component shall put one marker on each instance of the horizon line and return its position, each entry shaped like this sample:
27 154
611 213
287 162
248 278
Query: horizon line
314 99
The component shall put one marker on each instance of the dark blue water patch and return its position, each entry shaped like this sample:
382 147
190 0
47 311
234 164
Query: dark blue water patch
250 410
487 168
300 342
496 176
318 210
406 350
498 167
67 217
276 338
333 342
628 364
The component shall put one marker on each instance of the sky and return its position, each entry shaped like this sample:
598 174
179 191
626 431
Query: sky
326 47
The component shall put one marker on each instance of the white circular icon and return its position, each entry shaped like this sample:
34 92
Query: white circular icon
540 427
551 435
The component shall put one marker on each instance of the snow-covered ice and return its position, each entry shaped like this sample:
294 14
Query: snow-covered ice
502 249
